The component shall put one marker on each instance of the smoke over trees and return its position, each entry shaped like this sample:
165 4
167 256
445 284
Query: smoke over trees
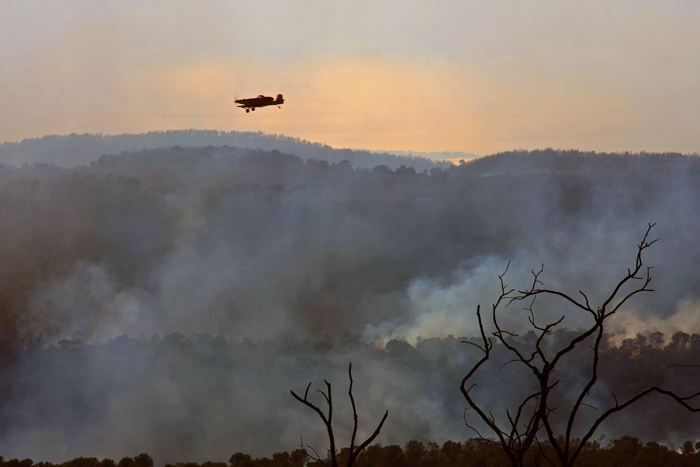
354 450
544 413
164 301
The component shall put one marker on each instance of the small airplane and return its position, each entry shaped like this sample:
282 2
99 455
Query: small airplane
260 101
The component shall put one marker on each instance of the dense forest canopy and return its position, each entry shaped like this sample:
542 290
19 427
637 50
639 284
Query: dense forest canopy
167 299
626 451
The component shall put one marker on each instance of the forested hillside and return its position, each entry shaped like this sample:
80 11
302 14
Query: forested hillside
168 299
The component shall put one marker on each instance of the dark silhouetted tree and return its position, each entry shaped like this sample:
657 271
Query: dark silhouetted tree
127 462
353 451
143 460
239 459
519 437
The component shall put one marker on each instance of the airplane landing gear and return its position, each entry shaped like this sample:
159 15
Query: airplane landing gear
253 109
247 111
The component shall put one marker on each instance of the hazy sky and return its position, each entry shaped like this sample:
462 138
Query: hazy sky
472 76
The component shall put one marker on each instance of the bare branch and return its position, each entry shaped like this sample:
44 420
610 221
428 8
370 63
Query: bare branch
683 401
357 452
475 345
326 421
535 410
354 452
316 457
354 411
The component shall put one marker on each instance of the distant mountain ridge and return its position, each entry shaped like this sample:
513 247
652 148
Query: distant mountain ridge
452 156
81 149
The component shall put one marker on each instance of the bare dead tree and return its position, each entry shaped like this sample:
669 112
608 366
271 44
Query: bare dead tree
520 435
354 451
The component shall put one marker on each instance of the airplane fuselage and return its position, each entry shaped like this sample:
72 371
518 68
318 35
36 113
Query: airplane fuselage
260 101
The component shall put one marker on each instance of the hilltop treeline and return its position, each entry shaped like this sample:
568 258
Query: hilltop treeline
74 149
142 460
626 451
231 156
208 155
575 161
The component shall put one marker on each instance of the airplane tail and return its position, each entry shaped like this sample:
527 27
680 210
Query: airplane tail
280 99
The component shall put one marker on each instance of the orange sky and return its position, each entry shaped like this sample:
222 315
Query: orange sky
423 76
